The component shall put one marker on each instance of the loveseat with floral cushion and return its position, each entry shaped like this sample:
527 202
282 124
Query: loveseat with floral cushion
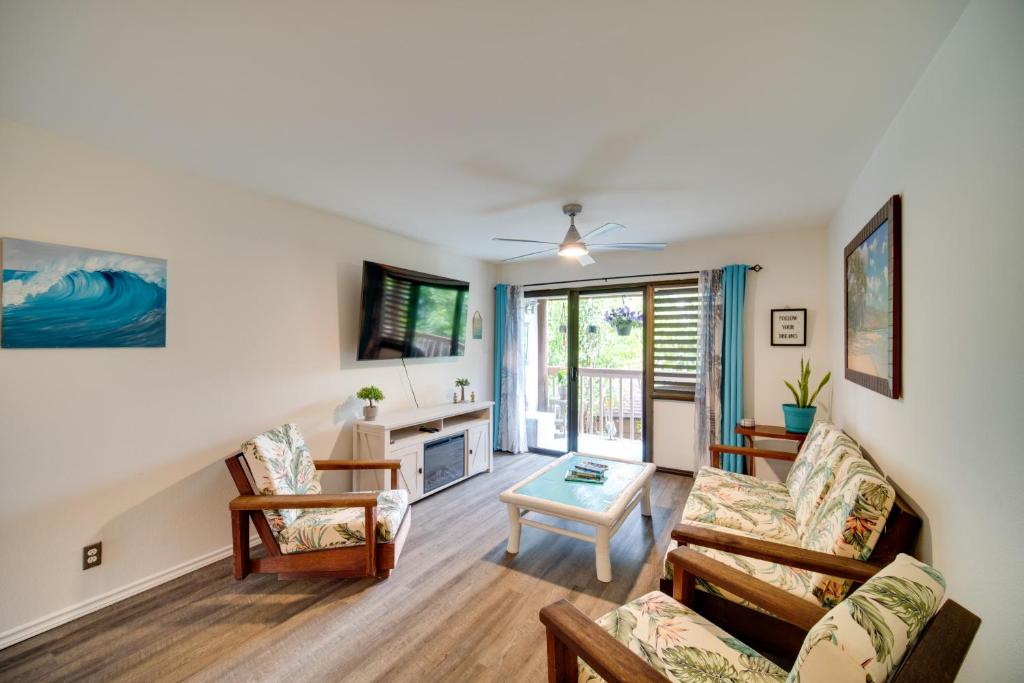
304 530
895 627
833 504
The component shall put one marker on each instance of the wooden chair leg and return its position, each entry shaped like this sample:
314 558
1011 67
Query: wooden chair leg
562 667
370 534
240 541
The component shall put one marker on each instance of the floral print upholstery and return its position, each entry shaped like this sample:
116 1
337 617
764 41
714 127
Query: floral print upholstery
682 645
743 503
820 439
849 521
820 480
280 464
865 637
324 528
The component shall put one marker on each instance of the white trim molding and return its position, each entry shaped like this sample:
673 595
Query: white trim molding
63 616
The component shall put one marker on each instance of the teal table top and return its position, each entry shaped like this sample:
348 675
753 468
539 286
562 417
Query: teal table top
552 485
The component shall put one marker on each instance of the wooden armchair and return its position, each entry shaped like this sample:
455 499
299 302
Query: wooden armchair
372 558
935 656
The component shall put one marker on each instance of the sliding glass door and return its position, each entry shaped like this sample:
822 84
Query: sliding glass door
547 370
610 372
585 372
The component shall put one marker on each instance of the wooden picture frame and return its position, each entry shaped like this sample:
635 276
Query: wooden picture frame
872 306
789 327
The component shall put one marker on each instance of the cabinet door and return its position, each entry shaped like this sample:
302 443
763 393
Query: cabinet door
409 476
478 449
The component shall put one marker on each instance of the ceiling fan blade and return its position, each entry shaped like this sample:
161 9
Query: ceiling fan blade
512 239
604 229
586 260
532 253
629 246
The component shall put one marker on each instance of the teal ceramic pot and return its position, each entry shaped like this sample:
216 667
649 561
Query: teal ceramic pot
798 420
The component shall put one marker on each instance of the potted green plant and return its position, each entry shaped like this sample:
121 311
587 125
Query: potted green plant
560 382
800 415
370 394
462 383
623 319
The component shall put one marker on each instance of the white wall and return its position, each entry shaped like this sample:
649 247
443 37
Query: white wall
956 155
794 265
126 445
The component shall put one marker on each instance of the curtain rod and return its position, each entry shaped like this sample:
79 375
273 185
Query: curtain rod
756 268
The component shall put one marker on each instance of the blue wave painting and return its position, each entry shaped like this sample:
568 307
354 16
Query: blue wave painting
66 297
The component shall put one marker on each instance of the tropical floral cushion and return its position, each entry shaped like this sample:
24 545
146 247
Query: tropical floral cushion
743 503
820 480
849 521
280 464
865 637
323 528
710 479
682 645
820 440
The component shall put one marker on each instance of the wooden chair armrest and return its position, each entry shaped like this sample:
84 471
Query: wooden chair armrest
572 634
393 465
688 564
789 555
366 499
357 464
717 450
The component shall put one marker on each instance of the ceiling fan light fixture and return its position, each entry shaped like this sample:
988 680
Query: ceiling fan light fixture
572 250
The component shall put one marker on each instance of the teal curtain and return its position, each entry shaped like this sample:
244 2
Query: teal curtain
500 312
734 281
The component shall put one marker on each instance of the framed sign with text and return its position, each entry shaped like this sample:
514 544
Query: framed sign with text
789 327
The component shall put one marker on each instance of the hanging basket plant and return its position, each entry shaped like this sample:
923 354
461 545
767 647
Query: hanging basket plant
623 319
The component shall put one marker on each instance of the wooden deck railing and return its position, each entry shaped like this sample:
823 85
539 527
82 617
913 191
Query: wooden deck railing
610 400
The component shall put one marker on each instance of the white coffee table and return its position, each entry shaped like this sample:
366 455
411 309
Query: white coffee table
604 506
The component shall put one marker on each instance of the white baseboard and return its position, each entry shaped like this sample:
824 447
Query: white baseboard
63 616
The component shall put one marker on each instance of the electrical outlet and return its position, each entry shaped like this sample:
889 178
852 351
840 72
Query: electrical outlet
92 555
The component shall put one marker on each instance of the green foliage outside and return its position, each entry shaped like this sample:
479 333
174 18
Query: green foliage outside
600 343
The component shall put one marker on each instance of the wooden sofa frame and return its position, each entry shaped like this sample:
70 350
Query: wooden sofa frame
935 658
763 631
370 559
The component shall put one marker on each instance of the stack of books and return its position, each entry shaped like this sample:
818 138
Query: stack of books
588 472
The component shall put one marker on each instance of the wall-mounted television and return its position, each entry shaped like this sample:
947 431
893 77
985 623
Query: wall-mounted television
406 314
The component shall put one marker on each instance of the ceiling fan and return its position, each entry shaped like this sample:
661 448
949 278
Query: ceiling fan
573 245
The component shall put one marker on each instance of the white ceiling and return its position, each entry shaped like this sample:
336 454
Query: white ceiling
454 121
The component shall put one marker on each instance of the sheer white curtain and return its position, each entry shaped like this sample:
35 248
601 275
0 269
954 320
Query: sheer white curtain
511 416
707 395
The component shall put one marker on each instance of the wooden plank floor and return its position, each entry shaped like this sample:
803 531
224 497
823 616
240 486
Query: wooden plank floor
457 607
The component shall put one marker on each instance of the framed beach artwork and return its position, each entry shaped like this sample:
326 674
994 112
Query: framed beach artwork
873 310
56 296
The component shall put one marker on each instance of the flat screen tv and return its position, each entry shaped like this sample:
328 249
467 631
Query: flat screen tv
406 314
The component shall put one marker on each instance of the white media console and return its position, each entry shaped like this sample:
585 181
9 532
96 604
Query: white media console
431 460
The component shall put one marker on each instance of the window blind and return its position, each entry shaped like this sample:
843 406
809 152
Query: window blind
674 342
